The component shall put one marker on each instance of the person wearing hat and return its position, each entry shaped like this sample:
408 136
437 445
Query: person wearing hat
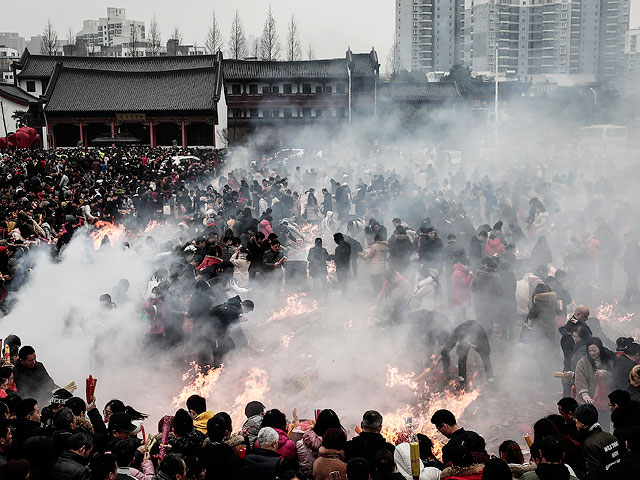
120 428
601 449
56 403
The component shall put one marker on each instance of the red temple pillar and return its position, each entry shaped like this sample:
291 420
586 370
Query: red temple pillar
52 136
184 134
151 134
214 133
113 131
83 139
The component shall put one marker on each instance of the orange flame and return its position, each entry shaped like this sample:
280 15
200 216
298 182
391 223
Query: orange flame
607 313
202 383
256 386
115 232
295 306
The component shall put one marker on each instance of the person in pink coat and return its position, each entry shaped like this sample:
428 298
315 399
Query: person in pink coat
460 294
278 421
265 225
311 441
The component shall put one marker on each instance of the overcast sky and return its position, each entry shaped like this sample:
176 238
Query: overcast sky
329 25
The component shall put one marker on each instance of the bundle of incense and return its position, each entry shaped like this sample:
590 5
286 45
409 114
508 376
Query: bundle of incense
527 439
7 354
557 374
144 436
71 387
166 428
152 441
414 450
90 388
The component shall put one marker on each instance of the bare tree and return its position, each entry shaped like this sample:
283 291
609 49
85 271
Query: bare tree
49 42
237 39
155 38
255 47
294 48
270 41
393 60
176 35
71 37
214 41
311 53
133 39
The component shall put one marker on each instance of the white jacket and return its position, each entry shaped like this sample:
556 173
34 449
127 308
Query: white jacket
402 456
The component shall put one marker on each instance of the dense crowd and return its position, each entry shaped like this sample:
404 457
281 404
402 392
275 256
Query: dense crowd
470 262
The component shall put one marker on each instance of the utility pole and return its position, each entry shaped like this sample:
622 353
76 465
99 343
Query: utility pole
495 104
3 120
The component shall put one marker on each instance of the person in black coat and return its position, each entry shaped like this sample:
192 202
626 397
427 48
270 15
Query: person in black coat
466 336
342 257
400 249
476 248
72 463
429 247
627 358
32 379
265 462
220 459
445 422
369 441
630 464
508 307
317 260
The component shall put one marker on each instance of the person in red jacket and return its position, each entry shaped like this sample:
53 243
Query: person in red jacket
460 294
494 246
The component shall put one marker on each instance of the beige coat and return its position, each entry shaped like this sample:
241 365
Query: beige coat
586 380
377 256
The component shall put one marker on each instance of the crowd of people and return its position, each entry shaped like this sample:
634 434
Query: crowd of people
471 262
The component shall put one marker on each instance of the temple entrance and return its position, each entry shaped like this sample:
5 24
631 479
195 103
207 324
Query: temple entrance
166 133
66 135
200 134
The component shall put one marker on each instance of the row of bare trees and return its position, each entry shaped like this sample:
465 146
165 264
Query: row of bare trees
265 47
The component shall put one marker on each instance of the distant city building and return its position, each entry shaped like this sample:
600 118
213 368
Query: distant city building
114 35
12 40
428 34
531 37
7 56
632 57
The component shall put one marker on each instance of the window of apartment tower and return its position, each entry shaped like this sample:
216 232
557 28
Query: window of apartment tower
306 88
31 85
318 88
253 89
286 88
340 88
236 89
275 89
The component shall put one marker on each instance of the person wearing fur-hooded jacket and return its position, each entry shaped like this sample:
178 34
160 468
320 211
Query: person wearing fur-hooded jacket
542 314
309 445
634 384
402 457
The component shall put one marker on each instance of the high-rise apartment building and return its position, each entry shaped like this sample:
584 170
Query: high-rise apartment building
114 35
530 37
428 34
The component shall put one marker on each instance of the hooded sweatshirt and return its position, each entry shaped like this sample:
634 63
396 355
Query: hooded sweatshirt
200 422
402 456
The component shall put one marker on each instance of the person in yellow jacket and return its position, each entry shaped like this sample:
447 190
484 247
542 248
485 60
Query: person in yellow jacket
197 407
